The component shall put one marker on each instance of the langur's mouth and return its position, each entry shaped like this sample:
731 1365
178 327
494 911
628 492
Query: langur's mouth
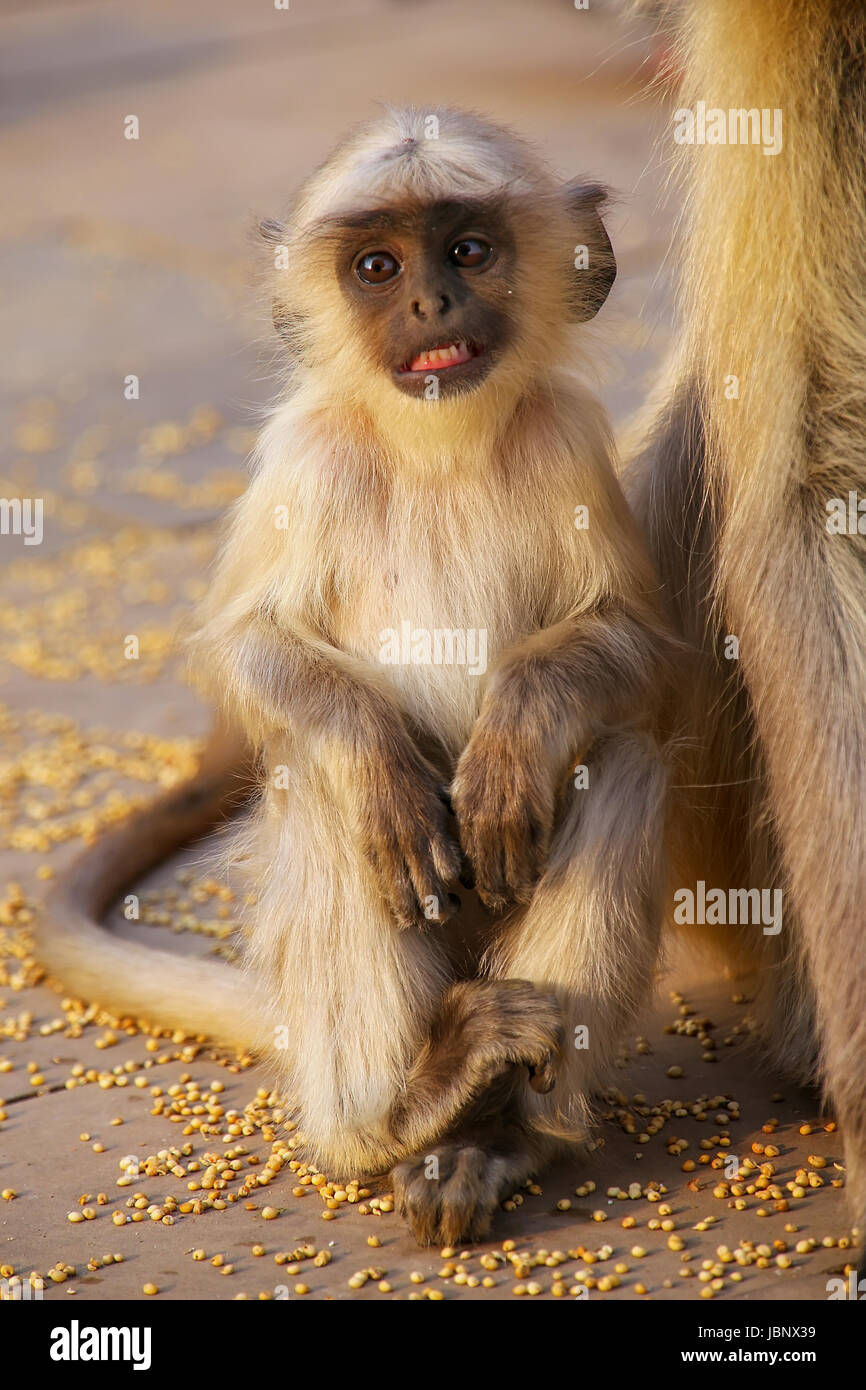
443 358
448 369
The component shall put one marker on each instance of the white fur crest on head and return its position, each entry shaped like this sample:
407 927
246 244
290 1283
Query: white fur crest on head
408 152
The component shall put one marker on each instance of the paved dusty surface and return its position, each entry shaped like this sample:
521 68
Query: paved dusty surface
132 257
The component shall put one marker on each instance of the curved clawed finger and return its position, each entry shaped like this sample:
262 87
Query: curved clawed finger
484 848
446 856
396 886
542 1075
466 877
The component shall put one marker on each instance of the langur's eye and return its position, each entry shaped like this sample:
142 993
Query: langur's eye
377 267
470 251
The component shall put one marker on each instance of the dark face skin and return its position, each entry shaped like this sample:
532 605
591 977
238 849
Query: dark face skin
428 277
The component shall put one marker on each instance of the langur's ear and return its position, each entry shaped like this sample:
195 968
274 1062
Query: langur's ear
593 260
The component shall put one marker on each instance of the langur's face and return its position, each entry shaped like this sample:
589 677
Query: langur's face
430 289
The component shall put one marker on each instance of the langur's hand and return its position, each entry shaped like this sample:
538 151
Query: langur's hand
503 797
403 821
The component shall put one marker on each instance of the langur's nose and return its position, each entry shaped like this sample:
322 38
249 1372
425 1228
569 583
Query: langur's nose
431 306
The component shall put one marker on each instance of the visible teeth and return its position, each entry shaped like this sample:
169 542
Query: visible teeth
448 353
444 356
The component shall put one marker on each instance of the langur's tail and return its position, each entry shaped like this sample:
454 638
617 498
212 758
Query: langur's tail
164 989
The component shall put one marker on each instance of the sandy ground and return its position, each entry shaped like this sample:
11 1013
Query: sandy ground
124 257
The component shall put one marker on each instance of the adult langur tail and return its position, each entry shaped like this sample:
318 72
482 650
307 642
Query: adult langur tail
166 989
